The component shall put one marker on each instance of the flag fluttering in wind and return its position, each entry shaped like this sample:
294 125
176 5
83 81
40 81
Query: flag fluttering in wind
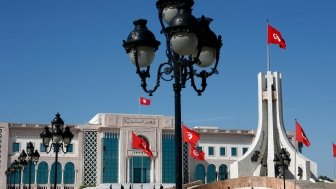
275 37
190 136
195 153
334 149
300 135
144 101
139 142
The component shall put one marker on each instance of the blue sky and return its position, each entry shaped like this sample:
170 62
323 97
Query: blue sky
67 56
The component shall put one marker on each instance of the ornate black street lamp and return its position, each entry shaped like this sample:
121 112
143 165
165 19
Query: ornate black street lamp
11 171
282 160
8 174
21 163
33 156
14 167
60 138
189 44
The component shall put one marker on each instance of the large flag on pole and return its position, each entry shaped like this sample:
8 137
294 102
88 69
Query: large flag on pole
196 154
275 37
189 135
334 149
139 142
300 134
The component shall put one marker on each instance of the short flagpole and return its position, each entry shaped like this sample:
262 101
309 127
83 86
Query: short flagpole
139 105
268 49
332 144
295 161
132 169
142 170
334 169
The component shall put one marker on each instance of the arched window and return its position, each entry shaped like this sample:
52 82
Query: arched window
223 174
200 173
211 176
42 173
15 177
69 173
26 169
59 173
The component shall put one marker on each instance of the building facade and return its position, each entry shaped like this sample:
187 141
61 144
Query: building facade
101 152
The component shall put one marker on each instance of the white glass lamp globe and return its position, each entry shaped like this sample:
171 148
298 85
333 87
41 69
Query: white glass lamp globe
168 13
46 140
57 138
184 43
145 55
66 141
207 56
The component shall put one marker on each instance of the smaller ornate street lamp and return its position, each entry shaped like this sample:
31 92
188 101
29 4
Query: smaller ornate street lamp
32 157
282 160
60 138
8 173
13 167
21 163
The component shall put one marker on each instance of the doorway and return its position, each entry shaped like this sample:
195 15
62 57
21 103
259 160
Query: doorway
140 166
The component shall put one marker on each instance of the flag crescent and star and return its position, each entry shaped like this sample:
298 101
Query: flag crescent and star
195 153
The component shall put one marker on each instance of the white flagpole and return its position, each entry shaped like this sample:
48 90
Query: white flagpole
296 146
334 170
332 144
132 169
142 181
139 105
295 162
268 53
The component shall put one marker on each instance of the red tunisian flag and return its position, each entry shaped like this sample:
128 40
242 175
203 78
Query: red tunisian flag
334 149
139 142
274 36
196 154
144 101
300 134
189 135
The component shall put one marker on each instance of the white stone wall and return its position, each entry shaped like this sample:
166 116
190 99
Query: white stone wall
227 139
25 133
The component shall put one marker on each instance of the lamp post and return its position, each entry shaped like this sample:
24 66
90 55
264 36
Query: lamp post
11 172
13 167
33 156
190 43
282 160
8 173
60 138
21 163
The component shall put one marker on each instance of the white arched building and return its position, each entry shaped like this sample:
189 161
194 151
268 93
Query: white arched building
101 152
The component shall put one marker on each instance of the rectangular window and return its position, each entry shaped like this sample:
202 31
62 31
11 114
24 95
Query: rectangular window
244 150
110 157
70 148
233 151
16 147
222 151
211 151
199 148
168 158
42 148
